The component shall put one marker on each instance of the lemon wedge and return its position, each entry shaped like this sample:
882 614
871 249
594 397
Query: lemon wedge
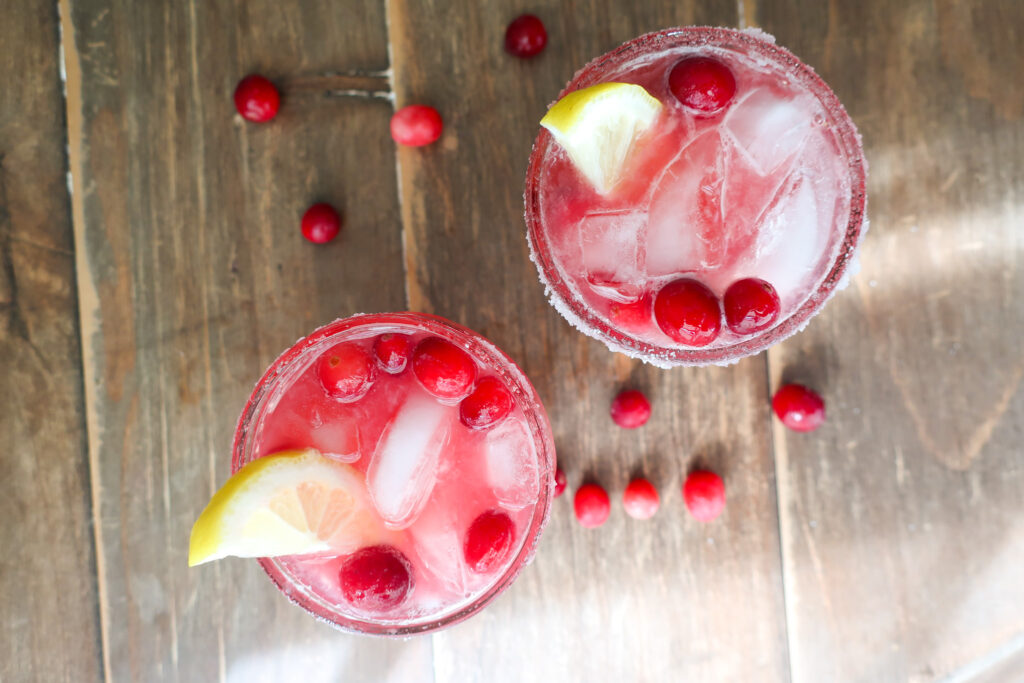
288 503
598 125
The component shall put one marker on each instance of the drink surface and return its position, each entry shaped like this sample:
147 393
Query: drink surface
760 189
428 476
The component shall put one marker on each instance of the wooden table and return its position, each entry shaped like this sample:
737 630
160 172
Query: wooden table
152 267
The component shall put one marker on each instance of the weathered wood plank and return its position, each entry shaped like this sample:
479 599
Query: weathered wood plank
901 518
50 628
663 600
194 277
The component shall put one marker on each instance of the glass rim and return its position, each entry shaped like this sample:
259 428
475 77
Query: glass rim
572 306
526 398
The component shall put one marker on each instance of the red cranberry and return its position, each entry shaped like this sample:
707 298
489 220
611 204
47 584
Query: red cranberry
704 495
346 372
488 541
392 352
444 370
799 408
702 83
256 99
640 499
525 36
321 223
630 409
688 312
489 403
560 482
751 305
376 579
416 125
592 505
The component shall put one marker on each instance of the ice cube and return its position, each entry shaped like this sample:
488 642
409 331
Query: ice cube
404 467
438 542
610 250
512 464
787 241
686 210
770 129
337 438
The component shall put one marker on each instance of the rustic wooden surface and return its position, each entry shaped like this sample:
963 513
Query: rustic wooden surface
886 546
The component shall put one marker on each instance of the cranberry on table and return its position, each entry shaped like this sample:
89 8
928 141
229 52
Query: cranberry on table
256 99
525 36
489 404
630 409
488 541
704 495
346 372
321 223
392 352
376 579
751 305
703 84
443 369
688 312
640 499
416 125
560 482
592 506
799 408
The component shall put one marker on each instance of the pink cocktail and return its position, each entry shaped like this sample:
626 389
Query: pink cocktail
455 451
764 186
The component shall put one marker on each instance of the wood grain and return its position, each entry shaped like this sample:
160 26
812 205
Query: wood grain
901 518
194 276
50 626
664 600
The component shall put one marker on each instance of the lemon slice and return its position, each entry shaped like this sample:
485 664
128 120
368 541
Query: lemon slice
598 125
289 503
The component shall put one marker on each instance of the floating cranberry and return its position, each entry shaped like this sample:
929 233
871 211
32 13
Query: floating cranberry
256 99
703 84
489 404
376 579
640 499
444 370
392 352
321 223
416 125
560 482
688 312
704 495
751 305
799 408
630 409
525 36
346 372
592 506
488 541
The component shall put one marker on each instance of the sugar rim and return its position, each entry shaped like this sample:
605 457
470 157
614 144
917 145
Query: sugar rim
526 398
750 41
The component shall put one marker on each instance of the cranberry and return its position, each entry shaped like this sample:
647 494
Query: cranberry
488 541
416 125
376 579
702 83
346 372
392 352
630 409
640 499
688 312
445 370
560 482
525 36
751 305
321 223
592 505
489 404
256 99
704 495
799 408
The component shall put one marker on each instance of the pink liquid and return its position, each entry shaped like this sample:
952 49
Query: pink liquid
770 187
506 467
